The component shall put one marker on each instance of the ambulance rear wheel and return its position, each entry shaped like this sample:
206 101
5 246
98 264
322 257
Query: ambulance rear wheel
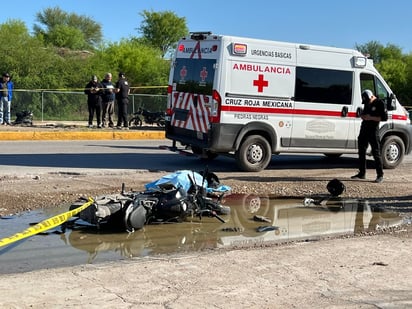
254 154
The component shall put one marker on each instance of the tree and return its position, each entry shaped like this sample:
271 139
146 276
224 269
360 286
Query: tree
378 52
162 29
142 64
62 29
392 64
371 49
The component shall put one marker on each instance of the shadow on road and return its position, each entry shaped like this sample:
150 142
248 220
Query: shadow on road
166 161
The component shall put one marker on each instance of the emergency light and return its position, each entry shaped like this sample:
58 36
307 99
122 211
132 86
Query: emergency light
200 35
359 62
239 49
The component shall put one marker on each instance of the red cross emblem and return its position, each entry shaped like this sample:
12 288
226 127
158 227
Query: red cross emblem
203 74
183 72
260 83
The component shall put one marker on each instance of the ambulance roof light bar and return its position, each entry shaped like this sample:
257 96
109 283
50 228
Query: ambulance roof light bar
200 35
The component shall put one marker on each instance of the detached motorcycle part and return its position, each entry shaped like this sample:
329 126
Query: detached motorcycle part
135 216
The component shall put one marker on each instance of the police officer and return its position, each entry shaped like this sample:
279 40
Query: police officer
93 90
374 111
108 97
122 91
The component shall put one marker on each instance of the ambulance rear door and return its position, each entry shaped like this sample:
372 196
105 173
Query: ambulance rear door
192 85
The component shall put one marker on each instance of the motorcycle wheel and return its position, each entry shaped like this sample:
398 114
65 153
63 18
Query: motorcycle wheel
135 121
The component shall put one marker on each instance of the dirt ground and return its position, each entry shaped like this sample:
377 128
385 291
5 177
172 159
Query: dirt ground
367 271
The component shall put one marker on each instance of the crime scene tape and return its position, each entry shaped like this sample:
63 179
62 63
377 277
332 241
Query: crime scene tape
80 89
45 225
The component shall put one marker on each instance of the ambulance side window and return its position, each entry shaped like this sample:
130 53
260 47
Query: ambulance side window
371 82
316 85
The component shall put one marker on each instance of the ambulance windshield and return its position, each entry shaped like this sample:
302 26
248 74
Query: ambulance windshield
194 75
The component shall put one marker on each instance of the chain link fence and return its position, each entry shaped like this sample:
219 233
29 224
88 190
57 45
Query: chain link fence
72 106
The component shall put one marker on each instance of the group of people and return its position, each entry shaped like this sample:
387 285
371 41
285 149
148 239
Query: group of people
373 113
6 94
101 97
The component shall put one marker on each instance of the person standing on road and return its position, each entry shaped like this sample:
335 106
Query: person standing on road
373 113
93 90
108 101
122 96
6 94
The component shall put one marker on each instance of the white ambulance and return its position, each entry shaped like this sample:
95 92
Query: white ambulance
253 98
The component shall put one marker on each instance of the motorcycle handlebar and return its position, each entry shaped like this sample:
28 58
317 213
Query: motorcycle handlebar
212 214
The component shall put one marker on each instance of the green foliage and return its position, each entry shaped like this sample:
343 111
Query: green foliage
62 29
142 64
379 52
51 68
393 66
66 36
162 29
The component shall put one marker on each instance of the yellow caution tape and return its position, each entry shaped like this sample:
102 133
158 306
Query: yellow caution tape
45 225
80 89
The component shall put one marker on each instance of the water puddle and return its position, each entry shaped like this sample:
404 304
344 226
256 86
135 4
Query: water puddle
254 220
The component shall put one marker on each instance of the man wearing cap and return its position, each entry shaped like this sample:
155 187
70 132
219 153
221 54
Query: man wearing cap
93 90
122 96
374 111
6 94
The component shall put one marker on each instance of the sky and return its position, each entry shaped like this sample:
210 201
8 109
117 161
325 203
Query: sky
344 23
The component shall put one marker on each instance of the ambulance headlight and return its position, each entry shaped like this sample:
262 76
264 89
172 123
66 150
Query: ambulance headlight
359 62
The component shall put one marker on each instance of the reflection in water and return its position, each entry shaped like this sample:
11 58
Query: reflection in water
253 220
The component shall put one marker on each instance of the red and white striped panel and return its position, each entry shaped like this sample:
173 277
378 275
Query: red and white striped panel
198 116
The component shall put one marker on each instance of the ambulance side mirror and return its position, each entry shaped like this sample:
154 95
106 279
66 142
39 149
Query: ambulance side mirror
344 111
391 102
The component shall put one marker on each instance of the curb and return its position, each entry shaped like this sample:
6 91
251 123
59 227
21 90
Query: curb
61 135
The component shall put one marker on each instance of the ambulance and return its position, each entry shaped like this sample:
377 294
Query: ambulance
251 98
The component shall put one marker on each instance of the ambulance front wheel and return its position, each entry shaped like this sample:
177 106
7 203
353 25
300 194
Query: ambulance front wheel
254 154
393 151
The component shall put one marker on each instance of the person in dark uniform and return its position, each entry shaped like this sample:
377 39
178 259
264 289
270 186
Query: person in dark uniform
122 97
93 90
108 101
373 113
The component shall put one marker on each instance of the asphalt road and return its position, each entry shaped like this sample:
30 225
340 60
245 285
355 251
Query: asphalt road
33 156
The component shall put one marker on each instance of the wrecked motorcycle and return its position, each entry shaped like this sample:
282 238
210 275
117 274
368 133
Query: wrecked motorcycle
170 199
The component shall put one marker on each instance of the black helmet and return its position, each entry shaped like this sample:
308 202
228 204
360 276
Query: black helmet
335 187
